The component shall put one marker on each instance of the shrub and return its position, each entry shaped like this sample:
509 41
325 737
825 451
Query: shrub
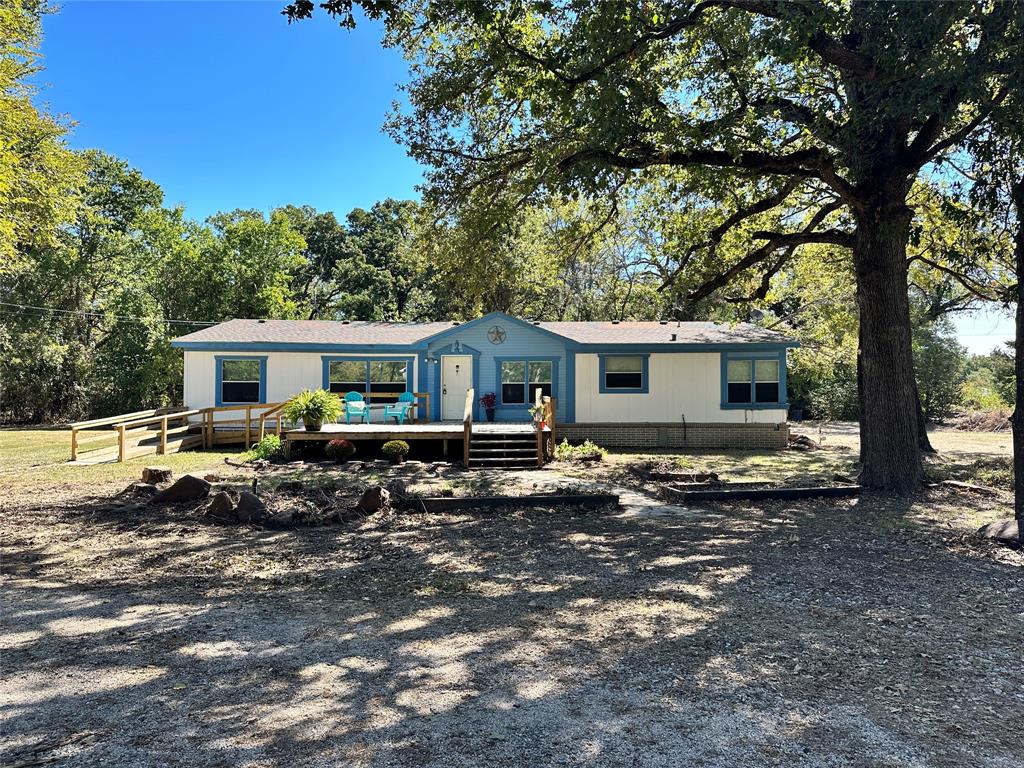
268 448
997 420
585 451
395 449
312 405
339 450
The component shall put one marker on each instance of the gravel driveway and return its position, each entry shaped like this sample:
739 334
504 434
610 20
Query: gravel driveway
797 635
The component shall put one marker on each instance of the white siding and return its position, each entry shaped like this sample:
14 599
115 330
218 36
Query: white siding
287 373
680 384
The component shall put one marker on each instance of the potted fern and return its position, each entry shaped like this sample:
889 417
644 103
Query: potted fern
312 407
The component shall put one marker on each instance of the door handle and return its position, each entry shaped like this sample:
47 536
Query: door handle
444 391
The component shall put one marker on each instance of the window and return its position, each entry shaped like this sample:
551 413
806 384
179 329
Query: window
753 381
623 372
520 380
739 381
387 378
540 378
513 381
241 381
347 376
374 376
766 381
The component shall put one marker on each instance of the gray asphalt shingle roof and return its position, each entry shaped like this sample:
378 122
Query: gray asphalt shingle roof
369 332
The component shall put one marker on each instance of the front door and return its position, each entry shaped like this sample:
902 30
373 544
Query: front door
456 378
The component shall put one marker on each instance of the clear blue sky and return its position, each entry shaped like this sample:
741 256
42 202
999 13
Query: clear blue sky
226 105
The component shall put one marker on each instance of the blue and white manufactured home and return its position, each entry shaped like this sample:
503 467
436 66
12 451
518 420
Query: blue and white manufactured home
628 384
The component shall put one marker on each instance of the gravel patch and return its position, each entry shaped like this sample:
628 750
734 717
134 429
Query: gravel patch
805 634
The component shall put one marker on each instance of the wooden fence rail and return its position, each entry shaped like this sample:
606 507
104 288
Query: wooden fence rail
128 431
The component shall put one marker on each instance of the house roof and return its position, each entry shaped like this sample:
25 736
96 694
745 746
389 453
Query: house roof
664 332
359 332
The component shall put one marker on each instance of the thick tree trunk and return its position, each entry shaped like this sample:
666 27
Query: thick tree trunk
890 440
1017 422
922 423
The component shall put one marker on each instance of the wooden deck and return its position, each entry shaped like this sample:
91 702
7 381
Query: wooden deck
168 430
437 430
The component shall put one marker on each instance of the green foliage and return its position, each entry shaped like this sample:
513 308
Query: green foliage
39 176
585 451
312 405
269 448
395 449
340 450
989 382
939 363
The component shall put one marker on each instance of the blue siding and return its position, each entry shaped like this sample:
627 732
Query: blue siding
522 342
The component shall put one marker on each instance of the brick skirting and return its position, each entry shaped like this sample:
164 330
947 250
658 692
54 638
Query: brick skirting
675 435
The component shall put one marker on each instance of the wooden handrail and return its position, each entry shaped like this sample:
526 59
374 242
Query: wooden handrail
112 420
265 414
467 426
157 419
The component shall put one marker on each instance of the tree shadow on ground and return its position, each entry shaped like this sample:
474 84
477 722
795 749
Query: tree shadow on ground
738 636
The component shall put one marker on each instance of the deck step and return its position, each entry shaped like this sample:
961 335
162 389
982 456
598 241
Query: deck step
474 450
508 460
506 443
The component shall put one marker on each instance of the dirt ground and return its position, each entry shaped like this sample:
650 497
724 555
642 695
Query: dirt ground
842 633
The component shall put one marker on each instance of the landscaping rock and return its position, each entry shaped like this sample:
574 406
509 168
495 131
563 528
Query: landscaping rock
212 478
1004 531
139 489
154 475
221 506
396 487
185 488
250 509
279 521
373 499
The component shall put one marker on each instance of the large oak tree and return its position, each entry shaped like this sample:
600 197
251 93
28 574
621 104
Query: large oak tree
831 109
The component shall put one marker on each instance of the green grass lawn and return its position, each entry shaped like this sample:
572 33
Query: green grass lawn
36 459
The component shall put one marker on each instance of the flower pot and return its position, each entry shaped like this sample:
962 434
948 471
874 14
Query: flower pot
490 413
312 425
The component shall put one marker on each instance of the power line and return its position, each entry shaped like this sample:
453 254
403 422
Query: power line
136 318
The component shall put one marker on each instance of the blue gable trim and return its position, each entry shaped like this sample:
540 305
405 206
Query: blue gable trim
565 409
421 386
218 392
492 317
645 382
748 355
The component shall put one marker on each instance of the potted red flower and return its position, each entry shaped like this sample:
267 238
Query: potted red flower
488 402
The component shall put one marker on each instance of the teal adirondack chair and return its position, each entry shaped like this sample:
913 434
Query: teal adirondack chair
355 406
400 409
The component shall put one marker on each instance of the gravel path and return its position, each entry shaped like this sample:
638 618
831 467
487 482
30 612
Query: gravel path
795 635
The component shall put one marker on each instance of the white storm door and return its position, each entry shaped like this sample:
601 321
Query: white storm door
456 378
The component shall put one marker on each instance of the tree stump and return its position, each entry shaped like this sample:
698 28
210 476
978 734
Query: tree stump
154 475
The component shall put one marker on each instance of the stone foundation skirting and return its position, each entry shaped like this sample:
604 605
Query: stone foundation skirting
675 435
